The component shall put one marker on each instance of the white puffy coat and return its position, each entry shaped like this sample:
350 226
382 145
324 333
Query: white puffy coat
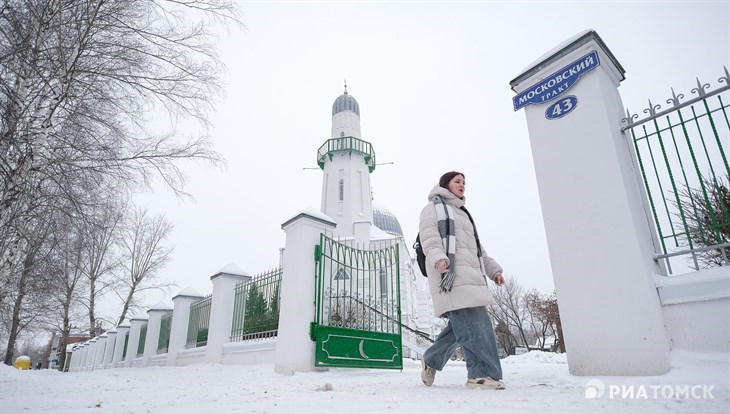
470 287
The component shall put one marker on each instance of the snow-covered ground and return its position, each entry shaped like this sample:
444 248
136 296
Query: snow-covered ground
536 382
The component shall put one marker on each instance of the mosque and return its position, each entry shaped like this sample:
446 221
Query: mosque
347 162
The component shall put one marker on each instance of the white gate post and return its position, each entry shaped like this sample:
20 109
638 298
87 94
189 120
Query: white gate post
122 331
135 327
221 310
180 319
294 348
111 343
597 230
154 314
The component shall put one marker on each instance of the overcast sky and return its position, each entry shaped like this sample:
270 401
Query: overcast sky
432 80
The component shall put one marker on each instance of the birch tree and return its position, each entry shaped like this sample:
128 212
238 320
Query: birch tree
79 80
146 253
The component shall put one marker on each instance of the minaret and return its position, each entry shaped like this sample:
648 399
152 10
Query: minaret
347 162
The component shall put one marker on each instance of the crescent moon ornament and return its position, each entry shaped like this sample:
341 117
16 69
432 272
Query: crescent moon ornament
362 354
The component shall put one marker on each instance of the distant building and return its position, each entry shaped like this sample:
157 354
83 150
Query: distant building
58 347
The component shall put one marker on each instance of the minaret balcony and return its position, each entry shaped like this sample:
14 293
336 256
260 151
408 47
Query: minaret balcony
346 145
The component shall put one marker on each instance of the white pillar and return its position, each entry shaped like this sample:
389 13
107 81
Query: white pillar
97 346
84 356
89 354
74 352
122 331
597 231
294 348
180 319
111 343
135 326
100 350
221 310
154 314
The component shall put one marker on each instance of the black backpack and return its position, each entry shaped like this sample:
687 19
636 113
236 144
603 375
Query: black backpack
420 257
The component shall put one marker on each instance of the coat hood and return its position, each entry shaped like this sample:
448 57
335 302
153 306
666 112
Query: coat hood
447 195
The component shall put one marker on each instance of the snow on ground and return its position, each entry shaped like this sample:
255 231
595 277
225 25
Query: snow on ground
536 382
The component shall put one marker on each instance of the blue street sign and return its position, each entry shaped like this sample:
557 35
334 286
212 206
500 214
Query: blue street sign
562 107
557 83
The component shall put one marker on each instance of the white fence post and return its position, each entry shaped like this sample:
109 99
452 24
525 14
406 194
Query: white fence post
99 358
221 310
180 319
111 343
85 356
154 314
597 230
75 357
294 348
91 355
135 326
122 331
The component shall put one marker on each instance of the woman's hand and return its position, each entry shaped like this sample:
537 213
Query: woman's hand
499 279
441 266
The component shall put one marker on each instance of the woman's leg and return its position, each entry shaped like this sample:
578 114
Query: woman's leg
473 330
438 354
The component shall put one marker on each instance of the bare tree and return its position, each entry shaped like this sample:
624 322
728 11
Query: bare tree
24 305
145 255
551 310
510 309
65 270
101 256
78 79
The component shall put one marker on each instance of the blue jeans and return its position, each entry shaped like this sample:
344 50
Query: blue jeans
472 329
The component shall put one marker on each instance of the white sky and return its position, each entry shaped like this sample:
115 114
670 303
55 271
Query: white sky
432 81
536 382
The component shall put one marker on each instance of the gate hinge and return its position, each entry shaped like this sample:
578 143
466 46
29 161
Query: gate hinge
317 253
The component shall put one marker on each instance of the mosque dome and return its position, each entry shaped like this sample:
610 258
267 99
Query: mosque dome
345 102
386 221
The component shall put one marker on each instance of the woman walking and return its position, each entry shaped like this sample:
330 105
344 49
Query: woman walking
457 268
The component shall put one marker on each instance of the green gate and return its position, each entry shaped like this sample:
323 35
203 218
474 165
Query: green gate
357 319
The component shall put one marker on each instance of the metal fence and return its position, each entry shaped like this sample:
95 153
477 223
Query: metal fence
256 307
358 288
163 341
126 344
198 323
142 339
682 156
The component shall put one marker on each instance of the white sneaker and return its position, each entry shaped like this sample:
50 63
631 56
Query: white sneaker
485 383
428 374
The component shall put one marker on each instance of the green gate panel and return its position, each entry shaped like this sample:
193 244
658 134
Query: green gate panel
344 347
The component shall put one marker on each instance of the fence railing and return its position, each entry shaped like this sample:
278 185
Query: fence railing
256 307
198 322
126 344
142 339
163 341
349 145
682 157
